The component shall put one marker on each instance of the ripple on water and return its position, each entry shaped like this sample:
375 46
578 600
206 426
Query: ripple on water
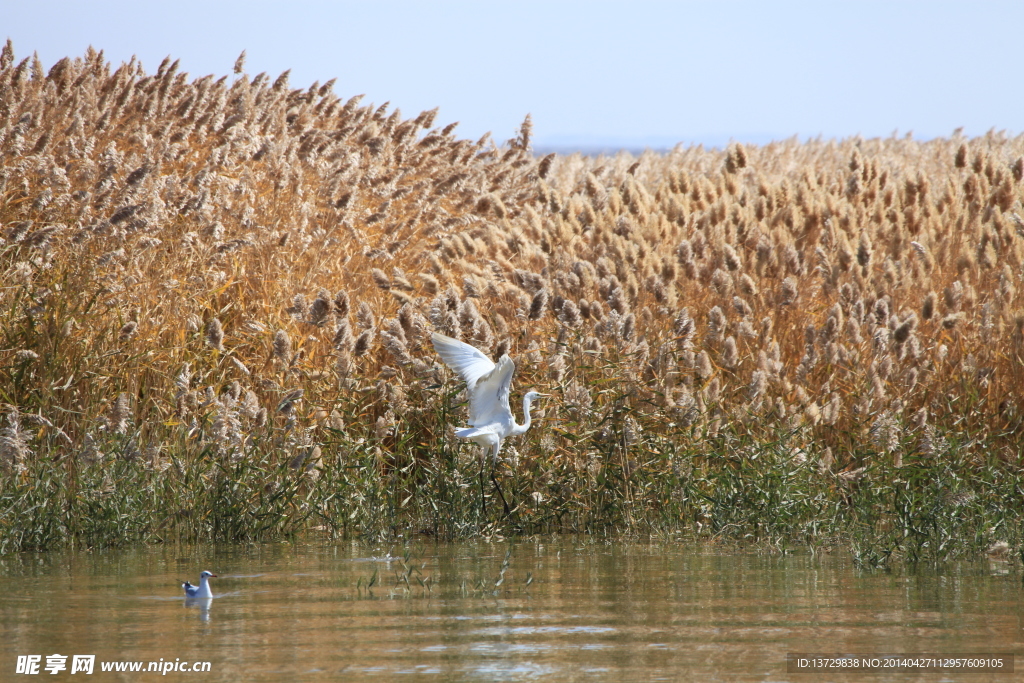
601 612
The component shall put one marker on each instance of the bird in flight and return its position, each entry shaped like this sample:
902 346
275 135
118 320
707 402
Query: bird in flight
488 385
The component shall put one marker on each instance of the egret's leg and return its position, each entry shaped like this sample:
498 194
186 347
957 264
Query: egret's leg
494 479
501 495
483 496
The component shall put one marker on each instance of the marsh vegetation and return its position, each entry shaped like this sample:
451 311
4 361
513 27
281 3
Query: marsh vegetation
217 296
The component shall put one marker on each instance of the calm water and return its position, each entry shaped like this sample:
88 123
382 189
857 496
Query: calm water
591 611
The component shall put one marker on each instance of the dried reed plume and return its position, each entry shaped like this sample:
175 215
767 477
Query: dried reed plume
832 289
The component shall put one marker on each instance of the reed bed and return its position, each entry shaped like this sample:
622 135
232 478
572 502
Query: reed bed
217 296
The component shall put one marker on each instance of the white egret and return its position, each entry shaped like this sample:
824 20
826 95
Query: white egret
488 385
203 589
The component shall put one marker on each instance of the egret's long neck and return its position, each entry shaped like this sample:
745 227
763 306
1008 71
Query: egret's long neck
521 429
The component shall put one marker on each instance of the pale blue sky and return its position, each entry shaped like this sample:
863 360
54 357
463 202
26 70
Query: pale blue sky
603 72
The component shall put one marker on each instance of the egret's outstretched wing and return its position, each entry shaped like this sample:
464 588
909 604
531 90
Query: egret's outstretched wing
487 384
470 363
488 402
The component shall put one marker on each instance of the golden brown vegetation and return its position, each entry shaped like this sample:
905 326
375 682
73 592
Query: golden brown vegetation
195 261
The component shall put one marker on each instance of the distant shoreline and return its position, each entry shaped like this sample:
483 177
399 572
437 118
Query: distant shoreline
598 146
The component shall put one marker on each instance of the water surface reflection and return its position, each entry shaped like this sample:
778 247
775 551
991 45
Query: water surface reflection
559 609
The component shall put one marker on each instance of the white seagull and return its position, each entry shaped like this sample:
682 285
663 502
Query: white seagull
203 589
488 385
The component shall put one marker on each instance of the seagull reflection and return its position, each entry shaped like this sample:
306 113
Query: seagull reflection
202 604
